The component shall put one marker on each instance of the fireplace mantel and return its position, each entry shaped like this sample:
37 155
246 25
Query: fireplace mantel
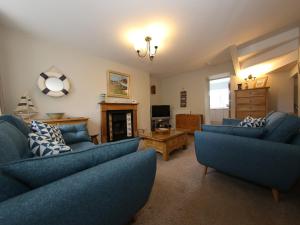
108 106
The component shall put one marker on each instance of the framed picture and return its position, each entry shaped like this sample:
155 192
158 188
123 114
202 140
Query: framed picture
260 82
183 98
118 84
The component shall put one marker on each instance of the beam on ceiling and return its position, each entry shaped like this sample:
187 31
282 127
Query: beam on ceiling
269 42
274 53
271 65
235 61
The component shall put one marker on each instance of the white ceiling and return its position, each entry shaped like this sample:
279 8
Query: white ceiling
201 30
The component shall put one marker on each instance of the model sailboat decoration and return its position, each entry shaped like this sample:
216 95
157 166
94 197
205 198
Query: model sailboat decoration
25 108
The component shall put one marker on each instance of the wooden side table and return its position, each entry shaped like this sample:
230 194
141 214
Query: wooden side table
95 139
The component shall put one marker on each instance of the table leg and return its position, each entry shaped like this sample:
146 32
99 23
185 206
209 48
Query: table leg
165 153
165 156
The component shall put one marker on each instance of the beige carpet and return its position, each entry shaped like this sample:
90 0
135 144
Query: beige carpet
181 196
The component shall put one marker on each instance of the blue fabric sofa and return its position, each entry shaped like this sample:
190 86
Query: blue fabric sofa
269 156
103 184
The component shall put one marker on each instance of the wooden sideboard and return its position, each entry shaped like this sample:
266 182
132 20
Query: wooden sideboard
251 102
64 121
189 122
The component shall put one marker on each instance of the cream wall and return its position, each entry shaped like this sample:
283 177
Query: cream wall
24 58
196 85
281 92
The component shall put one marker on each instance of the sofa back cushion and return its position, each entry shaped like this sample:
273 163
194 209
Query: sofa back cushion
17 122
13 144
75 133
281 127
252 132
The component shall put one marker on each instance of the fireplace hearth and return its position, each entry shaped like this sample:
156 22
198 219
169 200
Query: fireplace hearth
118 121
119 124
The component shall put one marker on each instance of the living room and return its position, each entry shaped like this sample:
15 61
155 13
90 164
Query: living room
224 90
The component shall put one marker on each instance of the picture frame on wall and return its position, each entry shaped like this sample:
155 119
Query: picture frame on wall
118 84
260 82
183 99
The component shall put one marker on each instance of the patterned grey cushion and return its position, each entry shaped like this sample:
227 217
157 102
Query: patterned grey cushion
253 122
47 130
42 145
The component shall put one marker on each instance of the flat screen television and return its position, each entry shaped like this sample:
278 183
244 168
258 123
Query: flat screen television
160 111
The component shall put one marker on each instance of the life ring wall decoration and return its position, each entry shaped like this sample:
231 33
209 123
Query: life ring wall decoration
53 84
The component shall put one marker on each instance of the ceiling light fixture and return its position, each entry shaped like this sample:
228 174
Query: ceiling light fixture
148 49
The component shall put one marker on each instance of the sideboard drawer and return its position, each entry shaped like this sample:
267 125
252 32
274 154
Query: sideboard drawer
251 93
251 107
257 92
254 100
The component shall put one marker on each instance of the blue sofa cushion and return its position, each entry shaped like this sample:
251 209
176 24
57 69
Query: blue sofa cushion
237 131
281 127
10 187
13 144
75 133
41 145
296 139
39 171
17 122
82 145
273 120
231 122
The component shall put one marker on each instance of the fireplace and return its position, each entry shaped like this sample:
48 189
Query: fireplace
119 124
118 121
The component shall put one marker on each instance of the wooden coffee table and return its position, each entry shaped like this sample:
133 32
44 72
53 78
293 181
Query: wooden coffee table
165 143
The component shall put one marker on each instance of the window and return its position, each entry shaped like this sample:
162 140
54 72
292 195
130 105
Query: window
219 93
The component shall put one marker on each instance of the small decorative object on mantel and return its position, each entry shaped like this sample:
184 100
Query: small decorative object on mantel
183 98
54 83
102 97
261 82
118 84
25 108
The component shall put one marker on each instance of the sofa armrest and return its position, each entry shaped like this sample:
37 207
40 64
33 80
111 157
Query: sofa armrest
110 193
232 122
232 130
39 171
275 165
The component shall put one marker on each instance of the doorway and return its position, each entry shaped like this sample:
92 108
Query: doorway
219 99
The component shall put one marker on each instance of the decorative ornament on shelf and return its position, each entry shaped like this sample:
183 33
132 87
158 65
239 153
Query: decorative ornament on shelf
249 78
102 97
25 108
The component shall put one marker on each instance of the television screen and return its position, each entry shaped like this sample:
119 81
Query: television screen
160 111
